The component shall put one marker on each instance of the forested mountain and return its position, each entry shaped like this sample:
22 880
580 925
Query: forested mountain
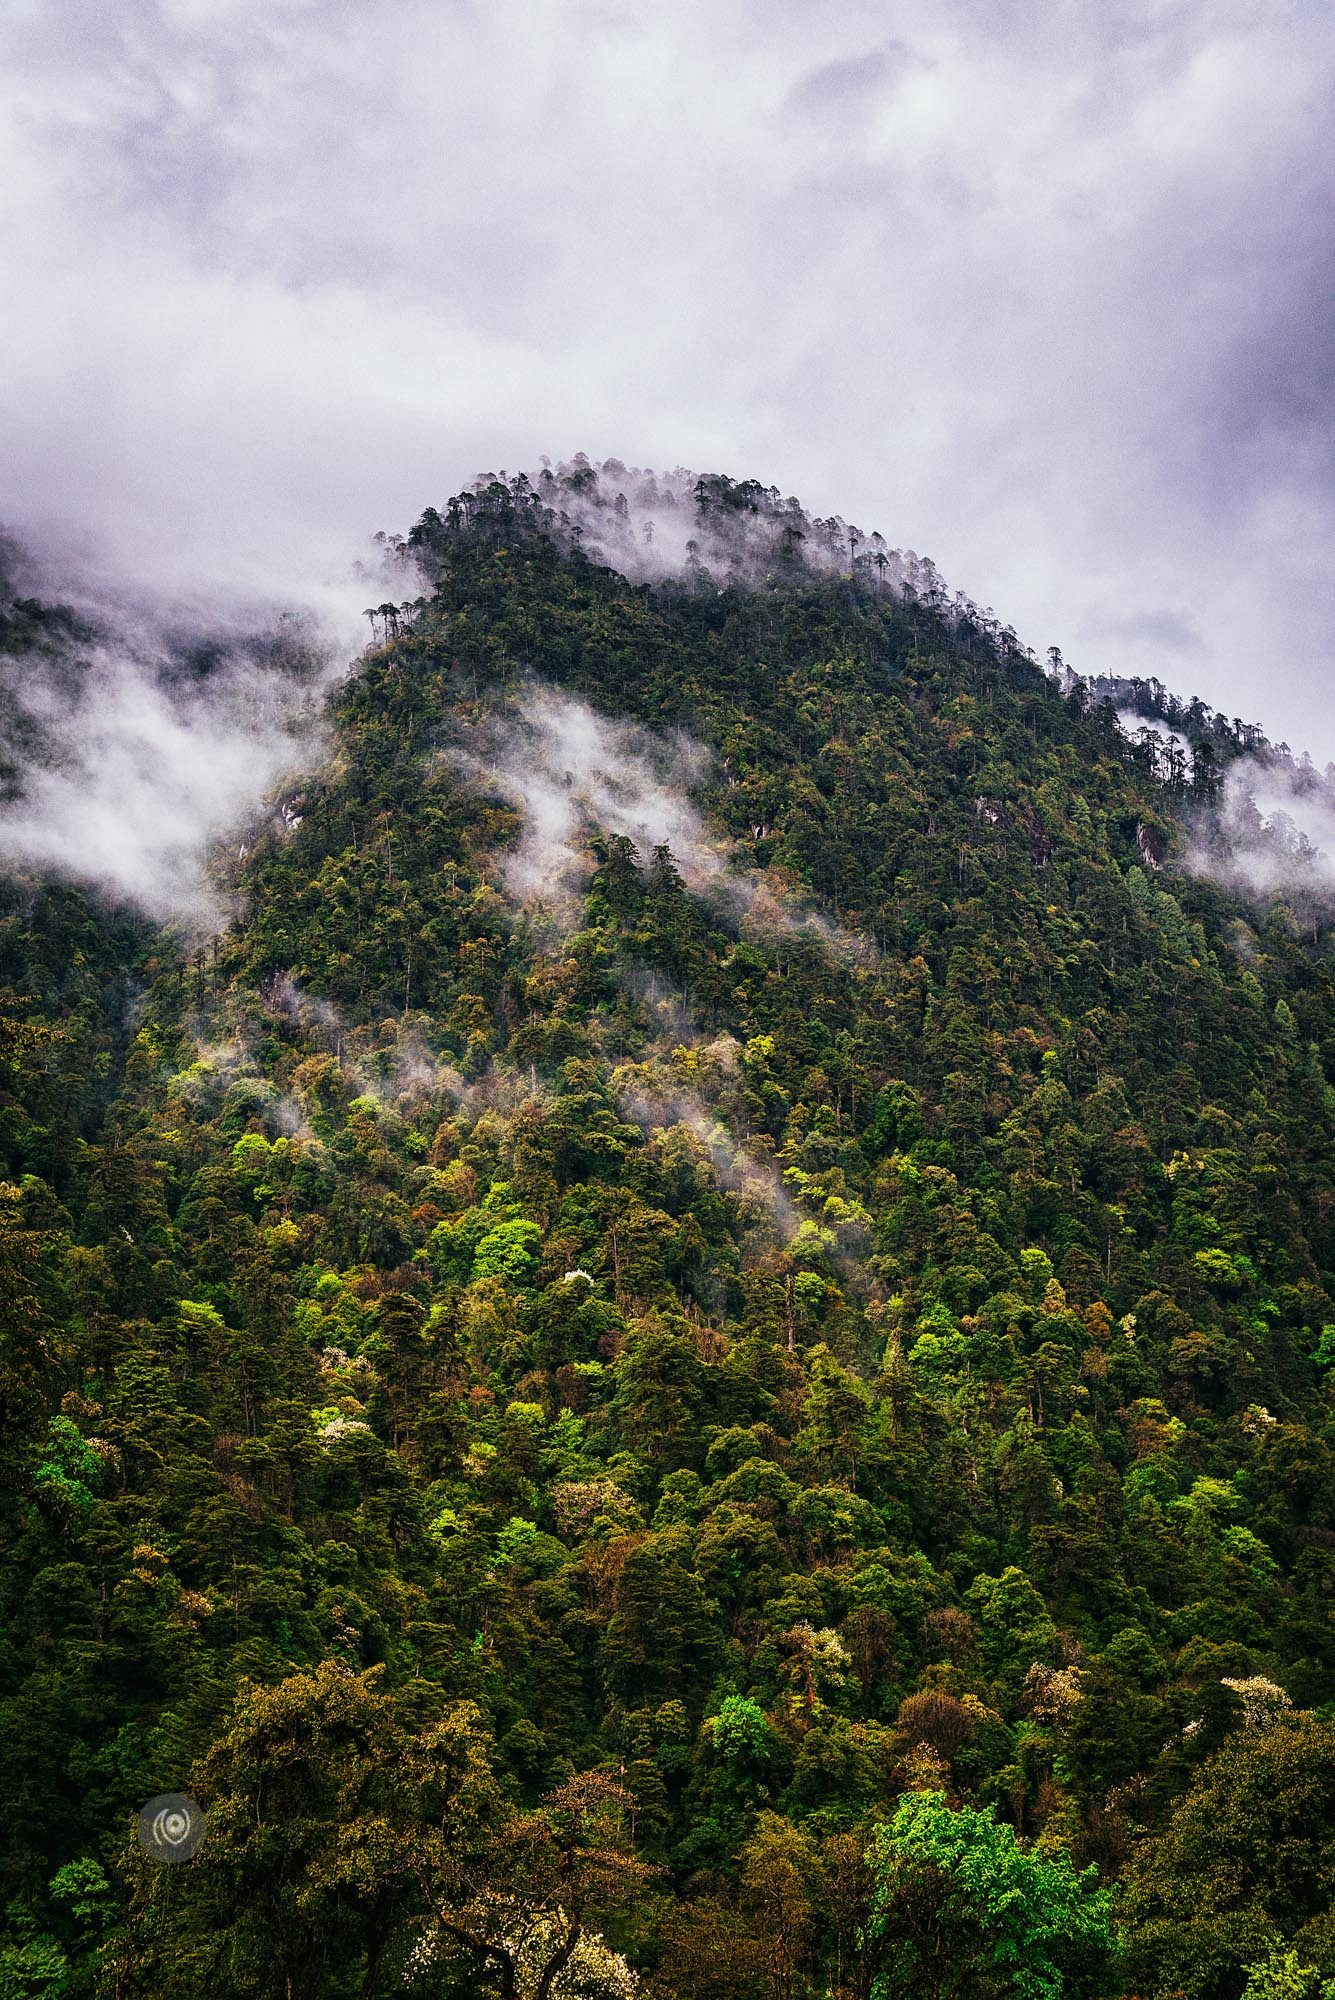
693 1356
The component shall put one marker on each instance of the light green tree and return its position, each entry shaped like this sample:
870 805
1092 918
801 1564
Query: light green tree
962 1909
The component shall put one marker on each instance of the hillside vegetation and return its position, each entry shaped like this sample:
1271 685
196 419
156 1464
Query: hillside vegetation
739 1415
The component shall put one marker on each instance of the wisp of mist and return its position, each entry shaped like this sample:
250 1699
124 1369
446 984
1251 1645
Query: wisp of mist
138 732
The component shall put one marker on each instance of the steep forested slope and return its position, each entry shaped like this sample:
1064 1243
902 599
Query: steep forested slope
610 1426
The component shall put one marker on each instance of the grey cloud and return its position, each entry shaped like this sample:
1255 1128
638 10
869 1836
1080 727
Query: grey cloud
1047 302
1163 630
837 87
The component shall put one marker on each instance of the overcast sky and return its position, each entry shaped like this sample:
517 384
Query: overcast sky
1041 291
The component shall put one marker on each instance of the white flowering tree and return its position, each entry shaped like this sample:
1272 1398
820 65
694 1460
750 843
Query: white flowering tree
528 1930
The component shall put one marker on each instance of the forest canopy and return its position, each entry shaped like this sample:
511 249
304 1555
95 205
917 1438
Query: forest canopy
691 1356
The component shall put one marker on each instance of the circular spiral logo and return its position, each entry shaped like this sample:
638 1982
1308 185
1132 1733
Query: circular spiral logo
171 1827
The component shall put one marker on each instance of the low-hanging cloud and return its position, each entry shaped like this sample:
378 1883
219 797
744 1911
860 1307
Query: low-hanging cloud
1168 748
735 1166
569 768
139 732
126 767
1272 832
697 1084
704 529
406 1074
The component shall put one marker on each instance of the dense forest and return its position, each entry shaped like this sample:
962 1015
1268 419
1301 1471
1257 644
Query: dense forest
692 1356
